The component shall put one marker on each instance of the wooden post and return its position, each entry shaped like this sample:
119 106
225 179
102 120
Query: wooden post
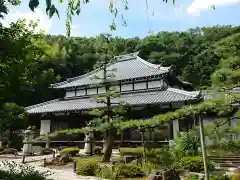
74 166
53 154
143 144
44 162
23 159
203 145
47 143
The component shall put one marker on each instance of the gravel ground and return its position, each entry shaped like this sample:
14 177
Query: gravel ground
36 161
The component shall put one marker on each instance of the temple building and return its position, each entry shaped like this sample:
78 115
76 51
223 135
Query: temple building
148 88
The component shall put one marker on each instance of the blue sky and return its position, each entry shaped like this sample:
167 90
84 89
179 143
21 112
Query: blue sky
95 17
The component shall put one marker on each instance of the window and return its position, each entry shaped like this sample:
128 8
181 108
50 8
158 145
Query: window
126 87
140 85
91 91
81 92
70 93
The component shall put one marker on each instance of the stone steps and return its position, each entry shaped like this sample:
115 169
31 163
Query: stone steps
226 162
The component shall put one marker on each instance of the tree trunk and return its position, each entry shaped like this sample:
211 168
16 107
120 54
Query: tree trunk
109 146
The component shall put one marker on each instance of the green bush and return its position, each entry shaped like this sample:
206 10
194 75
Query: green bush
65 158
87 168
46 151
171 174
106 172
70 150
16 142
186 144
21 172
194 164
97 150
9 151
236 176
220 177
128 170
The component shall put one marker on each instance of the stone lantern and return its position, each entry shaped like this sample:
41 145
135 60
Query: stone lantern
89 146
28 136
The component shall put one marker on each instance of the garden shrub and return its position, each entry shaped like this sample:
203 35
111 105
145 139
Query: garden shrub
65 158
87 168
15 171
220 177
70 150
137 151
46 151
236 176
186 144
97 150
171 174
9 151
194 164
128 170
106 172
62 147
16 142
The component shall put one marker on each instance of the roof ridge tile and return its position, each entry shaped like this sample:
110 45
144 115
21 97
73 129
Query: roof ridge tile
187 93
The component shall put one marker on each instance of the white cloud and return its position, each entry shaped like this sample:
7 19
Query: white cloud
201 5
44 22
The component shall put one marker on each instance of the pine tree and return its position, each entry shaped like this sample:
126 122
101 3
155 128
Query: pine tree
107 117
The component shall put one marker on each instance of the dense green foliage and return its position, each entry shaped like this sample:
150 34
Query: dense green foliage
21 172
194 164
185 145
71 150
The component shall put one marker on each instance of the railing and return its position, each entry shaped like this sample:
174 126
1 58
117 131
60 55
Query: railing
98 141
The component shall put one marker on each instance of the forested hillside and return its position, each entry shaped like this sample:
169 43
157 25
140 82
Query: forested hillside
30 62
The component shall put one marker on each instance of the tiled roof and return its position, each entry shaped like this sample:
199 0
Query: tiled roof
126 67
156 96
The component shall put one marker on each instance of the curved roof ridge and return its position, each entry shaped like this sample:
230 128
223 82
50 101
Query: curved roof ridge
128 56
81 76
134 55
187 93
157 66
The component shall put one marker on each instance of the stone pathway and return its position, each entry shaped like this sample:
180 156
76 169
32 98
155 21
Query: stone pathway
63 174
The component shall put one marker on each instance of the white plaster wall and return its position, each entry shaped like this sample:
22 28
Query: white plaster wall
115 88
91 91
70 93
126 87
101 90
155 84
234 123
140 85
45 127
206 121
81 92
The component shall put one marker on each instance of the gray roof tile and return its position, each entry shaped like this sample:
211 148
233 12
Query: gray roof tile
132 98
126 67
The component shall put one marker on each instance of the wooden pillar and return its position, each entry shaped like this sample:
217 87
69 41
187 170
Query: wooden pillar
170 131
203 145
175 128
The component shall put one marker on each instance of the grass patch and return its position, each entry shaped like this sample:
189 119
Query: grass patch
81 159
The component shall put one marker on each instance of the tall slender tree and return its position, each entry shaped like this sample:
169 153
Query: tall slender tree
112 113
